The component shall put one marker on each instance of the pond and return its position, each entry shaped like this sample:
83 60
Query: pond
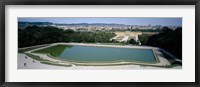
107 54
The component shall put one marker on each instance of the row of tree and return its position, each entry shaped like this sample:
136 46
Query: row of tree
34 35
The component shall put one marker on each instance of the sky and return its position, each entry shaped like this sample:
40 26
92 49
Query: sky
124 20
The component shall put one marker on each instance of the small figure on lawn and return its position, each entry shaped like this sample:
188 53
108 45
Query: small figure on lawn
25 64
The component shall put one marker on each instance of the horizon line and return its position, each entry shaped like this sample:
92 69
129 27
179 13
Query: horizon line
102 23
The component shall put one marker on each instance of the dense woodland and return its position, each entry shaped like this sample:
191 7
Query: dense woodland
168 39
34 35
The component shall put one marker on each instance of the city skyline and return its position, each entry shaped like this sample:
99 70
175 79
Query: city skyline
108 20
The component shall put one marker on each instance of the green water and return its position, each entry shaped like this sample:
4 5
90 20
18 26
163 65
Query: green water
107 54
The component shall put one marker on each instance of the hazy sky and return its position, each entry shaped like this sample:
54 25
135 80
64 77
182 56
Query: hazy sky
128 21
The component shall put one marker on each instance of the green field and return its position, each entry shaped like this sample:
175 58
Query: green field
54 50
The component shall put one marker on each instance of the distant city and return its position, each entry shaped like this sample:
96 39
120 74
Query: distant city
95 26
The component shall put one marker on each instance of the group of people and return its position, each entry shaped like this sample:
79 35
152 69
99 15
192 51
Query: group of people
27 58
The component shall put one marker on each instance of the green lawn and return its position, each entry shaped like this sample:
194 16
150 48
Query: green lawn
35 57
54 50
45 61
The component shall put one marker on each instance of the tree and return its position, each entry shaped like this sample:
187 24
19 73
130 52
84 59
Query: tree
168 39
144 38
132 41
35 35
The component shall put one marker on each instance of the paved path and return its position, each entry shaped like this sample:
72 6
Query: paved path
125 39
33 65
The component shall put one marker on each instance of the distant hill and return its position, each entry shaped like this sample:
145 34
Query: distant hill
37 23
23 25
94 24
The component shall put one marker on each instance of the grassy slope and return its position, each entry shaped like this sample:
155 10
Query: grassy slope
54 50
45 61
35 57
